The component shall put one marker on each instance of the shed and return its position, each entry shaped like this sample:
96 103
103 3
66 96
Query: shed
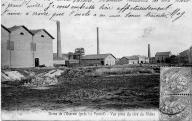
98 59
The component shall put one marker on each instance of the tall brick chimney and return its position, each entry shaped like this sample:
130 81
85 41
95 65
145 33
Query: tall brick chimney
98 41
149 51
59 54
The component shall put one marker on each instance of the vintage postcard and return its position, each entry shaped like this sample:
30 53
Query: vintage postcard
127 60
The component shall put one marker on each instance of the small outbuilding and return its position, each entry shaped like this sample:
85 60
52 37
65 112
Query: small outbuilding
98 59
127 60
136 59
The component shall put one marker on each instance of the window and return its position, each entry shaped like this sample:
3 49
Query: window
10 45
42 35
33 46
21 33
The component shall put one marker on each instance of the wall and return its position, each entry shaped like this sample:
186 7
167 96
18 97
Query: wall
5 53
161 58
22 55
109 60
143 60
90 62
190 55
133 61
44 48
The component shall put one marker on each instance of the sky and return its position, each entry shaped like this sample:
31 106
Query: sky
121 37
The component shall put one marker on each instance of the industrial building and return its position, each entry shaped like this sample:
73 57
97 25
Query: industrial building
98 59
136 59
160 57
22 48
186 56
127 60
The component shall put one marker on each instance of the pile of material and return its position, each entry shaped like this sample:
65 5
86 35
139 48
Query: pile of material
44 79
11 76
73 73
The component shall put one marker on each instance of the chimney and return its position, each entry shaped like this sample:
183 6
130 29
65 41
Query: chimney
59 54
98 41
149 51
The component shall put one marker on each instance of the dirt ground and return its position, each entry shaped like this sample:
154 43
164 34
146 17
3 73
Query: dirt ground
97 92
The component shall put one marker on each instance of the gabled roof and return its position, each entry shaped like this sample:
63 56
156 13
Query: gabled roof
5 28
38 30
132 57
162 53
135 57
95 56
17 27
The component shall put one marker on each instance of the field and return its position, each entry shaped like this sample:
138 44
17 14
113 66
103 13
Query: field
91 90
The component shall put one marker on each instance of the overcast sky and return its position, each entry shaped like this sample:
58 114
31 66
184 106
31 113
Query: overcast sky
121 37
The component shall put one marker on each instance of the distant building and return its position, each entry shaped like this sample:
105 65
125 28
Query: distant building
22 48
186 56
69 59
143 59
128 60
98 59
152 60
136 59
160 57
190 55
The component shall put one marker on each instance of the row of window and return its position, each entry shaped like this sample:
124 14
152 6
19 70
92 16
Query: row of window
10 45
23 34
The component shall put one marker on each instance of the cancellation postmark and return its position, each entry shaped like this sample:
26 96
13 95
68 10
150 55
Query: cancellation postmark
175 94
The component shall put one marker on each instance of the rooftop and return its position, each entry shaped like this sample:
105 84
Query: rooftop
38 30
95 56
162 53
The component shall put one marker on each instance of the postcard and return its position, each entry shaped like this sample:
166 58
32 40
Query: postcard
127 60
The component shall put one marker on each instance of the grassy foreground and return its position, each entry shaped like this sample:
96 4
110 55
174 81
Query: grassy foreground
97 91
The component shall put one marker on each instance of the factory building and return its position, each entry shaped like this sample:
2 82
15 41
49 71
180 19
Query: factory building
136 59
23 48
127 60
186 56
98 59
160 57
5 49
43 47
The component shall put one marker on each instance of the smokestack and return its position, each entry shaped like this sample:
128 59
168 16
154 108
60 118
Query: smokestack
149 51
98 41
59 54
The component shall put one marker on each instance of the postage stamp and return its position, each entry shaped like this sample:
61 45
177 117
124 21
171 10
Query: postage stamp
175 94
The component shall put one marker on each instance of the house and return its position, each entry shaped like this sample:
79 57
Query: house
136 59
160 57
43 47
98 59
22 48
